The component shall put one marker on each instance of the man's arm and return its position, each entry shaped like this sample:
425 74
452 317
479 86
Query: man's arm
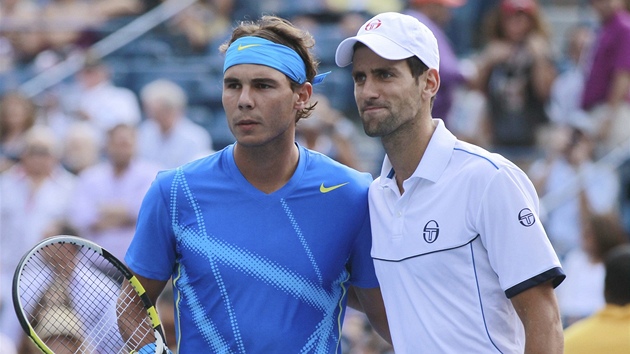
128 316
370 301
537 308
620 88
616 96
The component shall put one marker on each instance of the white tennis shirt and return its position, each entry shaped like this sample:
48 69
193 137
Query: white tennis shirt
450 252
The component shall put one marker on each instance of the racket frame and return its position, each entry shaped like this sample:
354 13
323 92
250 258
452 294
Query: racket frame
160 345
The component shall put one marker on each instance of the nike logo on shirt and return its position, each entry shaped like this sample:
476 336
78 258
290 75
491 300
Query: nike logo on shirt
331 188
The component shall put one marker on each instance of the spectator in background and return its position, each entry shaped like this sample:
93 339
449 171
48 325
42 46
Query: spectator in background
66 23
608 331
369 7
328 132
98 101
582 293
59 339
515 70
167 137
52 112
110 9
607 89
81 147
63 22
33 193
436 14
567 88
572 185
108 195
20 29
463 27
202 24
17 116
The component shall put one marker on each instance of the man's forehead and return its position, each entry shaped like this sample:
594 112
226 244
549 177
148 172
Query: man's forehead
253 72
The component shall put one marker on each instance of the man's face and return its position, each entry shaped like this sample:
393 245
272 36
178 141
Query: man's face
260 105
39 160
163 114
387 95
121 146
92 76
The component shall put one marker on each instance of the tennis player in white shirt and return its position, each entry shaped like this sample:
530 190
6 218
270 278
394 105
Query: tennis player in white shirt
463 261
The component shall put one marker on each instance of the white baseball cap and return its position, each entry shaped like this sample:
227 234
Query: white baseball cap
393 36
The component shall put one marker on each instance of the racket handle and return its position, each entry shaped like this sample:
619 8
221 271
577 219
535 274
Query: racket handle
149 349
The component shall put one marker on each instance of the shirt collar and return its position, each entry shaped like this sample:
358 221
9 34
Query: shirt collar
435 158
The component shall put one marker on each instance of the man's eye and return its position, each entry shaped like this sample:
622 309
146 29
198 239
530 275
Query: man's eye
359 78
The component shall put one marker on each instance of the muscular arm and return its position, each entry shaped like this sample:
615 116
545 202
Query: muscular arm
370 301
538 310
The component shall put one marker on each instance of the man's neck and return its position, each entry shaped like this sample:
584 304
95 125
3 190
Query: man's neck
406 147
269 168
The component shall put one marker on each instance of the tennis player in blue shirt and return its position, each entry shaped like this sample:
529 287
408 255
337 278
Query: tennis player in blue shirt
264 240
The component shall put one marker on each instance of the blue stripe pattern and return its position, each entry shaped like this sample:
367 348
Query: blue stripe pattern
220 253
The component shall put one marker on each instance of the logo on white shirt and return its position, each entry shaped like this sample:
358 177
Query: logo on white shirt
526 217
431 231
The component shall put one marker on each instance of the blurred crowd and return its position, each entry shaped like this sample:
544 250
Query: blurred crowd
82 152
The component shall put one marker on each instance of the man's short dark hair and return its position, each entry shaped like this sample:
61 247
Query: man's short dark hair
617 282
416 66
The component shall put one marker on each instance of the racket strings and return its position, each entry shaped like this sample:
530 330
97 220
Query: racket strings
70 295
136 326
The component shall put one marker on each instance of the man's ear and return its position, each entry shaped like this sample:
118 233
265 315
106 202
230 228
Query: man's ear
433 83
304 96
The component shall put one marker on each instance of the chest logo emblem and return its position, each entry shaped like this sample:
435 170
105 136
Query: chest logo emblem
526 217
331 188
431 231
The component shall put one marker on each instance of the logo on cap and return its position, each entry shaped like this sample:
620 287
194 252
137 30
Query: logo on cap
372 25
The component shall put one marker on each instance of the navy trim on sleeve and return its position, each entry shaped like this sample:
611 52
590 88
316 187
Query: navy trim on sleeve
556 275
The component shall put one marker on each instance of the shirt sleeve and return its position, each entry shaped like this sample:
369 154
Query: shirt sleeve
510 228
152 253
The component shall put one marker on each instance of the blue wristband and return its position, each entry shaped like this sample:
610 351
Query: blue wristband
148 349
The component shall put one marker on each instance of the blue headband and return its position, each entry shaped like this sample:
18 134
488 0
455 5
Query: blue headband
256 50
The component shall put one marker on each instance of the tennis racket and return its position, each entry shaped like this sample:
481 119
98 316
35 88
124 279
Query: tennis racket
72 296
